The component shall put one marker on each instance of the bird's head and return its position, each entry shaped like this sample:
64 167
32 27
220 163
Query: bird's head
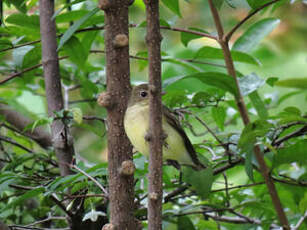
139 94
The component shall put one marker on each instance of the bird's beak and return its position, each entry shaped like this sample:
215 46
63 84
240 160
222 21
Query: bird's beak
163 93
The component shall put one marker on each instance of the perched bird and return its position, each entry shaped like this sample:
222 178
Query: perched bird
177 146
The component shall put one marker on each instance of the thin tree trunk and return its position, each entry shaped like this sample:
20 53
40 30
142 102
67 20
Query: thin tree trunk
121 183
155 189
62 141
264 169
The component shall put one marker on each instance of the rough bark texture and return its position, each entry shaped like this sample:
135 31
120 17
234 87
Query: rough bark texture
265 171
62 141
19 121
121 187
155 189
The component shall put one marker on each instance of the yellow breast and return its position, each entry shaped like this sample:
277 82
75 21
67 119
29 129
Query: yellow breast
136 123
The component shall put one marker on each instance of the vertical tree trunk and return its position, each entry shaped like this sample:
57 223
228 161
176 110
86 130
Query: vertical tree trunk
153 39
121 184
62 141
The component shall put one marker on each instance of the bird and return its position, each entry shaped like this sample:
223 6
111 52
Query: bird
177 148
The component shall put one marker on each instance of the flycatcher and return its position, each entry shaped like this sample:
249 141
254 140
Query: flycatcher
177 146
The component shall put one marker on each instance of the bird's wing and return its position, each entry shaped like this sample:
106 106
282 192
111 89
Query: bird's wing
174 122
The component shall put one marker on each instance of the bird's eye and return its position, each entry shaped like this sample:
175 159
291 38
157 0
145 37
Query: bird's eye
143 94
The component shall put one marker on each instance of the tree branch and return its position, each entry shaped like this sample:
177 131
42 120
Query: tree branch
20 122
244 114
297 133
155 187
18 74
231 32
62 141
92 179
301 221
189 31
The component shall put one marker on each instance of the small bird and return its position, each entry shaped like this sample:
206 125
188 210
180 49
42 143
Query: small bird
177 146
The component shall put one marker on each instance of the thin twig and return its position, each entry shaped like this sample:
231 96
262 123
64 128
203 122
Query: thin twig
34 228
299 132
175 192
91 178
83 196
300 221
231 32
46 220
168 59
93 118
102 27
9 140
226 190
238 187
12 76
189 31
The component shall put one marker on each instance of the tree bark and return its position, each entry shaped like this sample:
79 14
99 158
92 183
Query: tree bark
121 185
19 121
155 189
62 141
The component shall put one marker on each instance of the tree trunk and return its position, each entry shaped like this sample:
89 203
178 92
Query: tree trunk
121 185
62 141
155 189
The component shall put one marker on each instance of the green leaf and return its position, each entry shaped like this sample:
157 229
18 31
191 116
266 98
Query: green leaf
219 80
77 115
187 37
19 54
230 3
201 180
76 52
88 40
23 20
216 53
251 132
175 98
173 5
20 5
292 153
271 81
5 43
293 110
184 223
219 116
71 16
32 57
254 34
256 3
299 83
22 198
71 30
303 204
37 123
259 105
218 3
56 13
248 165
290 114
250 83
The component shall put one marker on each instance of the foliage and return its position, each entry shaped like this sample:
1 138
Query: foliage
230 193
